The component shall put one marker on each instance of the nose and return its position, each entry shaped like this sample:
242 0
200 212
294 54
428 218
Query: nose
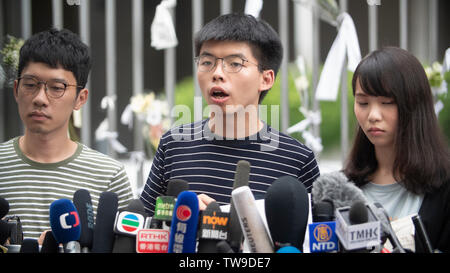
40 98
375 113
218 73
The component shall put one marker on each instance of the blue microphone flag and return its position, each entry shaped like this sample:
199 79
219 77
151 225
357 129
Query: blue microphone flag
64 221
322 237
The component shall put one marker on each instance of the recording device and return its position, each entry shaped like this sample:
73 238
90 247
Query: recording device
29 246
252 225
127 224
212 228
15 229
287 209
64 221
103 240
183 231
83 203
322 232
4 207
241 178
357 228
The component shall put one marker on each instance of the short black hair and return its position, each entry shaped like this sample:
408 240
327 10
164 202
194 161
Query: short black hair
262 38
57 48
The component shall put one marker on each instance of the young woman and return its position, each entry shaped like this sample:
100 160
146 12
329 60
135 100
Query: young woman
399 157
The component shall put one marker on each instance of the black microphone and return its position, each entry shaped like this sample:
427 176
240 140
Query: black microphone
323 211
4 232
83 203
29 246
322 232
103 240
422 235
287 209
165 204
386 227
127 224
336 187
4 207
49 245
223 247
235 235
212 228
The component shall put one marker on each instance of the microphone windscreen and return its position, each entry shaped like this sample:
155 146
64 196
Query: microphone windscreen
29 246
358 213
49 245
323 211
241 179
83 203
176 186
4 207
4 232
183 231
287 208
223 247
335 186
103 240
64 221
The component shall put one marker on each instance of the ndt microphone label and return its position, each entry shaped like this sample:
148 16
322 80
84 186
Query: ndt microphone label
323 237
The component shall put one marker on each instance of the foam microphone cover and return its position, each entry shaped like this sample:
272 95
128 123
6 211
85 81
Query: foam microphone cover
241 179
127 244
64 221
176 186
323 211
49 245
287 207
83 203
29 246
103 240
358 213
4 207
4 232
183 231
335 186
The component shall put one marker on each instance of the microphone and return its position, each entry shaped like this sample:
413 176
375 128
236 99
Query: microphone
126 226
64 221
386 228
152 241
421 233
183 230
103 239
336 187
287 208
4 232
288 249
4 207
213 228
241 179
357 228
322 232
83 203
29 246
251 222
49 245
165 204
223 247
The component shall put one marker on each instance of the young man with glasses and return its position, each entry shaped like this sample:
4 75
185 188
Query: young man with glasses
44 164
237 59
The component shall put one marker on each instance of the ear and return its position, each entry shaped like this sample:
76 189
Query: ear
81 99
267 80
15 89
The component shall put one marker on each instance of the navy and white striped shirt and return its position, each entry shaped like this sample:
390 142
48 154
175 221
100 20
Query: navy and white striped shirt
208 162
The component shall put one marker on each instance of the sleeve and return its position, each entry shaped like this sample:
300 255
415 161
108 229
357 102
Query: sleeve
155 185
309 172
120 185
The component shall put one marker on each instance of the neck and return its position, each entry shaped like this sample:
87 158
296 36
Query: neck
235 126
384 173
46 149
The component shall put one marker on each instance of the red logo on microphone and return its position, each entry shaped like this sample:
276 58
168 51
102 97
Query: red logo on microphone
183 213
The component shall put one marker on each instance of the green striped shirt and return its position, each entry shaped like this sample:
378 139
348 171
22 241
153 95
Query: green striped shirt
30 187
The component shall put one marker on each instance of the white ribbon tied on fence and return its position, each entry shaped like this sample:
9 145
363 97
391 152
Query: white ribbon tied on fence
311 117
162 30
103 133
345 44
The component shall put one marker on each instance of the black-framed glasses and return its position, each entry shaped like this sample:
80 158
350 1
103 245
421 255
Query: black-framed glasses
232 63
53 88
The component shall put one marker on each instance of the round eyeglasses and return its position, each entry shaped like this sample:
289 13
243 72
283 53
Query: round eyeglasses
232 63
53 88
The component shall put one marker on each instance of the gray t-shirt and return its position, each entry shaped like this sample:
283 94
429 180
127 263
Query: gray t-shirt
396 200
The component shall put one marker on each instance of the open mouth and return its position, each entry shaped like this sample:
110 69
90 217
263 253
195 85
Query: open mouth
219 94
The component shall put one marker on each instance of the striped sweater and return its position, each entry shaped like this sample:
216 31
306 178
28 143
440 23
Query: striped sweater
208 163
30 187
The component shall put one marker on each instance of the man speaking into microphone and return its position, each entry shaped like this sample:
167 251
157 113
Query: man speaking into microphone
237 57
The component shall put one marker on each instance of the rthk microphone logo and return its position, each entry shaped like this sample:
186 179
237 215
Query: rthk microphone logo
63 220
152 241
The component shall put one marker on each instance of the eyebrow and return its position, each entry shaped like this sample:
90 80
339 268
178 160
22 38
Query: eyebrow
52 79
360 94
240 55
